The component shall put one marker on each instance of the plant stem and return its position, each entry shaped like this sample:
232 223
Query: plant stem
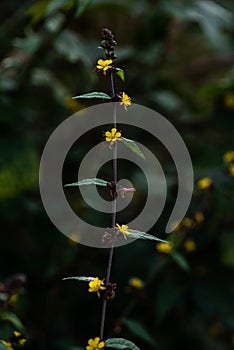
113 209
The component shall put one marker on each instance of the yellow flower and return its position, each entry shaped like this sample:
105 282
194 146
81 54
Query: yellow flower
7 345
199 217
112 135
104 65
204 183
96 285
123 229
125 100
13 298
228 157
189 245
229 100
231 169
164 247
95 344
16 340
136 282
187 222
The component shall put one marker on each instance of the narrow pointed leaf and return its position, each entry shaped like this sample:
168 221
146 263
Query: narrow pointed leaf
139 331
13 319
120 73
80 278
94 181
82 5
120 344
133 146
180 260
143 235
94 94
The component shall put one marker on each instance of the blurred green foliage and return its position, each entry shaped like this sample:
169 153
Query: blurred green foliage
178 57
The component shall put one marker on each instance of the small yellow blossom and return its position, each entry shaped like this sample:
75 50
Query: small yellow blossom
7 344
95 344
231 169
164 247
22 342
112 135
123 229
229 100
199 217
13 298
96 285
136 282
228 157
204 183
17 340
187 222
189 245
104 65
125 100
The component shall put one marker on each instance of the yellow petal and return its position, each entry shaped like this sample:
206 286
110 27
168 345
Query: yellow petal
125 228
91 342
113 131
100 61
101 344
96 340
118 134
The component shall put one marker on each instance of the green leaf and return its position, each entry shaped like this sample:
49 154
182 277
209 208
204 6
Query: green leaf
120 73
133 146
180 260
139 331
2 347
120 344
79 278
214 21
95 94
29 43
44 77
82 5
167 100
69 45
143 235
56 5
13 319
38 10
94 181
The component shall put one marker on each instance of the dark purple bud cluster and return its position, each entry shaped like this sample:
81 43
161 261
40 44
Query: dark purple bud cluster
108 44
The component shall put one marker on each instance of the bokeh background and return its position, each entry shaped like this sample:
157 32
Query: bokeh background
178 56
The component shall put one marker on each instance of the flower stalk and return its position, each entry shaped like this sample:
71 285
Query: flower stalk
108 44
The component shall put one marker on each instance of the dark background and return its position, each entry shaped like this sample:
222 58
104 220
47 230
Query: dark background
178 57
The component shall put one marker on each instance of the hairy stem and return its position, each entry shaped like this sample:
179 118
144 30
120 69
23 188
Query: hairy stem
113 209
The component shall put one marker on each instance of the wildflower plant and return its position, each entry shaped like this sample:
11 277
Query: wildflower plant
103 286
